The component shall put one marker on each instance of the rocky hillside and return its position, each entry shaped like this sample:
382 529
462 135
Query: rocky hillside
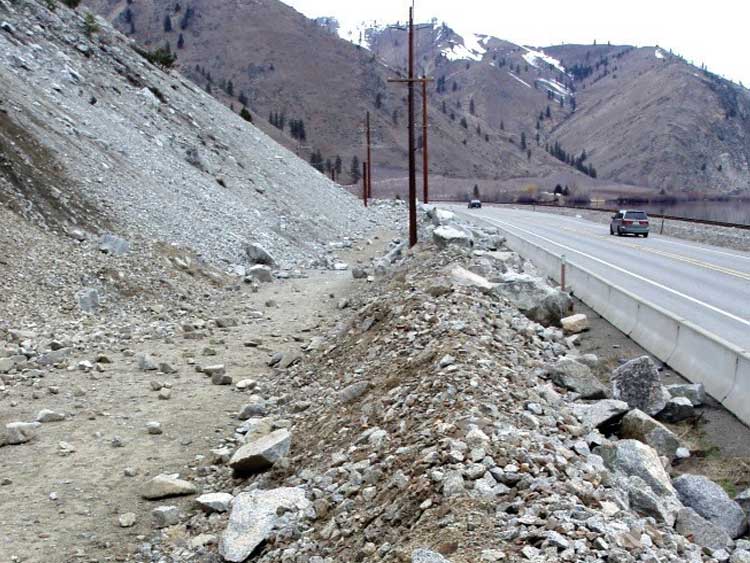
640 117
95 138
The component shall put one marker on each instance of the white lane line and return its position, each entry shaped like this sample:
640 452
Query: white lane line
614 267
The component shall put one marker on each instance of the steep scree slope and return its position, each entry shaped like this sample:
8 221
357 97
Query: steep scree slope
95 136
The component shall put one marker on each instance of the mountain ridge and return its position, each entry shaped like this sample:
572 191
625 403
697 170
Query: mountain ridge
499 111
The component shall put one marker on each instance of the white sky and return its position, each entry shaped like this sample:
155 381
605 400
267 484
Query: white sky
714 33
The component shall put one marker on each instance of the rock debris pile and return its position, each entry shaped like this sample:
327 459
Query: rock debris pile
95 139
439 423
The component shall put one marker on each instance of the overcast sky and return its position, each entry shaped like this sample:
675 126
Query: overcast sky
714 33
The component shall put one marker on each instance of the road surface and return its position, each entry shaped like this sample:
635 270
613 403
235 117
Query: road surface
707 285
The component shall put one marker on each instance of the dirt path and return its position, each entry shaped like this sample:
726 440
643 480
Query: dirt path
64 506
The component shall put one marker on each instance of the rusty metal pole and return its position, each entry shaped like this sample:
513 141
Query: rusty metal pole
364 182
412 156
425 165
369 159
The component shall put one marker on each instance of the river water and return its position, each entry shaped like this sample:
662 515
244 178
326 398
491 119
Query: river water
733 211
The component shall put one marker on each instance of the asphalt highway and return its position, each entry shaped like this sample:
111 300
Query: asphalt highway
707 285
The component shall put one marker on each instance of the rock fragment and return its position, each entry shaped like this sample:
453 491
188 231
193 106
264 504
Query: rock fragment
254 515
638 383
261 453
165 486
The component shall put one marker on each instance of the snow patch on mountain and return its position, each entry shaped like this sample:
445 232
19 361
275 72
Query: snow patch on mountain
520 80
659 54
472 48
533 57
556 88
357 33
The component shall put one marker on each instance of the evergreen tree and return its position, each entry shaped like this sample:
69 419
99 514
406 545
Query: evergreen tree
378 100
472 107
244 114
523 141
180 42
242 98
167 24
338 165
230 88
502 126
464 123
395 118
549 112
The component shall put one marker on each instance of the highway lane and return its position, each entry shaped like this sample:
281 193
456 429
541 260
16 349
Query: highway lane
706 285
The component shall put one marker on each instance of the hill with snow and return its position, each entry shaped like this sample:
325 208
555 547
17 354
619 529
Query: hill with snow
599 115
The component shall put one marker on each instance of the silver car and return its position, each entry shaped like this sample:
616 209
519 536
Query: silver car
629 222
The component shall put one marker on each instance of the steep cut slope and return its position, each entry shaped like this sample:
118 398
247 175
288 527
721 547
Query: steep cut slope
94 135
284 64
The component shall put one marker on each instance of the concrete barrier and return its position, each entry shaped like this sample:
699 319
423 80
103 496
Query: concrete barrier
622 310
737 401
698 355
656 330
704 358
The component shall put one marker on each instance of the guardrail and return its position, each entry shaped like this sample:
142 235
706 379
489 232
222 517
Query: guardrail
698 355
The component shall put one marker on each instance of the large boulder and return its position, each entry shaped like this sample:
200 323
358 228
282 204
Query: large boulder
20 432
261 454
114 245
427 556
260 273
677 409
535 299
165 486
694 392
711 501
700 531
88 300
254 515
638 383
446 236
463 277
634 458
593 415
575 323
640 426
576 377
442 217
256 254
644 501
743 499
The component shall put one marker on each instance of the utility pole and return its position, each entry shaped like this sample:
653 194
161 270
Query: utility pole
364 182
425 166
369 159
412 157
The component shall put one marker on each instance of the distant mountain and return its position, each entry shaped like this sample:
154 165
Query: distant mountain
587 114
